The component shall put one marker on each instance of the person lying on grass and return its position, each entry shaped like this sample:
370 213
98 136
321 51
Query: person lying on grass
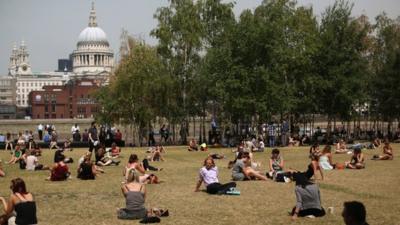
357 160
20 201
140 168
135 196
208 175
102 159
243 171
387 152
157 154
88 170
308 199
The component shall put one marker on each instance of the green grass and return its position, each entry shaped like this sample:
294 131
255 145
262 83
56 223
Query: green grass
95 202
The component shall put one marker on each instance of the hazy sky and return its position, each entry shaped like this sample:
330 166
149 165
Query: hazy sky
50 28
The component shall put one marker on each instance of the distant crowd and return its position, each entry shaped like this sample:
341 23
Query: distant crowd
137 173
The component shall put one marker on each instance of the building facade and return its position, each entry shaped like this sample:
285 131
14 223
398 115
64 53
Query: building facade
75 99
93 59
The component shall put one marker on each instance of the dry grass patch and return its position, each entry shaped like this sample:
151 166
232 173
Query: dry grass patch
95 202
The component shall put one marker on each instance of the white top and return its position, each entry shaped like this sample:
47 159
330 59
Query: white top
31 162
74 129
324 163
40 127
209 176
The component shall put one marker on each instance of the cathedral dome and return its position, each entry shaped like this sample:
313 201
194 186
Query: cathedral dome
92 35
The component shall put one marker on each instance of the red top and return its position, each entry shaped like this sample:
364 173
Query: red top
59 173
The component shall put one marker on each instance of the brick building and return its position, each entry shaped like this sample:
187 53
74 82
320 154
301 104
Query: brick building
73 100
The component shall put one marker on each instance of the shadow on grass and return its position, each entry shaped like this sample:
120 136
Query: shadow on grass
345 190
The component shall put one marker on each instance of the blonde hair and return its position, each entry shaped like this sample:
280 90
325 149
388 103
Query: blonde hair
132 176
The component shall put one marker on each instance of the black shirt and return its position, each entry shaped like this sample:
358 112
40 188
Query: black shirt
93 132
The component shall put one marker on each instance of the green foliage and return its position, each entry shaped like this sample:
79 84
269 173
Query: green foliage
275 60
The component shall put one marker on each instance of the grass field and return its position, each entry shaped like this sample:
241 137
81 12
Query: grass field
95 202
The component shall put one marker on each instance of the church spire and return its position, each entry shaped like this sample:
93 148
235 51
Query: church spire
92 17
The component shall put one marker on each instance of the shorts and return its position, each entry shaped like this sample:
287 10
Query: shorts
125 214
238 177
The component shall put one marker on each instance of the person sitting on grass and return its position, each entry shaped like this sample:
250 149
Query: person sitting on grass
53 142
260 145
387 152
115 150
20 201
88 170
16 155
60 171
59 155
276 164
32 163
203 147
354 213
357 160
67 145
293 142
135 196
156 154
314 156
308 199
376 143
102 159
193 145
36 148
209 175
242 171
341 147
325 160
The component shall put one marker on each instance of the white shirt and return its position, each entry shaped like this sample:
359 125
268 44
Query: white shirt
31 162
40 127
74 129
209 176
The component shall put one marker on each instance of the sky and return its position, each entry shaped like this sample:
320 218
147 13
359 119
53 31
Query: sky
50 28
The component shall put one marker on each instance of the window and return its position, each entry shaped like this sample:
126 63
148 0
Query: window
53 108
46 108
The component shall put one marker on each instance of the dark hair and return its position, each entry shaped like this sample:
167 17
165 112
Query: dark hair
246 155
61 158
275 151
133 158
357 150
18 186
301 179
93 123
314 146
240 155
355 210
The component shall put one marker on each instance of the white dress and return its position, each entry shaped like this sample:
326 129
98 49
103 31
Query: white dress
324 163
